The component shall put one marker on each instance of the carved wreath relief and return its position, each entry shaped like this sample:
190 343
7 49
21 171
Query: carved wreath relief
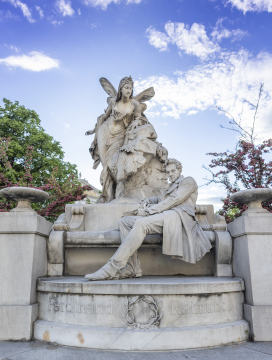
154 320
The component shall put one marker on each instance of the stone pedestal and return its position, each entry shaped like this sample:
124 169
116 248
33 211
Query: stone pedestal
252 260
23 259
150 313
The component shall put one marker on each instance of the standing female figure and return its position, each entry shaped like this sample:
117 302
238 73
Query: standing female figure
110 133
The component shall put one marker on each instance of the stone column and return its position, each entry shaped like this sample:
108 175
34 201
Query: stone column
23 258
252 260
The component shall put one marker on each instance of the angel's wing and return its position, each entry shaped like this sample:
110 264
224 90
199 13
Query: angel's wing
145 95
108 87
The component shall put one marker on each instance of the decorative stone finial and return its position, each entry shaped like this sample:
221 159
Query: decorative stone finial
254 199
25 196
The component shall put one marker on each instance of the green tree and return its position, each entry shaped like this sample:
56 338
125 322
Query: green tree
23 128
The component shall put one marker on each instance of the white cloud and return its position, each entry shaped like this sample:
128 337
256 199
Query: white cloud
79 11
40 11
220 32
12 47
134 1
194 40
34 61
103 4
251 5
225 81
56 22
64 7
24 8
158 39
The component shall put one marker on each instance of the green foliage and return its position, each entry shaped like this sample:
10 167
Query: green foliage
23 128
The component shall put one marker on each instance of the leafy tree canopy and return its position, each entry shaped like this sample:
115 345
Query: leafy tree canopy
23 127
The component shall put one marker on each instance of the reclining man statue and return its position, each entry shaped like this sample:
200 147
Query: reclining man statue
173 215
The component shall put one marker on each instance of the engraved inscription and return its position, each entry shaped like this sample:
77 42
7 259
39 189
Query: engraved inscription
177 308
77 308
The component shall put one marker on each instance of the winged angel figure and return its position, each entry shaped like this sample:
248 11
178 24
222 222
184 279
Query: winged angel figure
125 112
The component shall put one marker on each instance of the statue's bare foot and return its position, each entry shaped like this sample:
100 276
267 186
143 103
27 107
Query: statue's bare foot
105 273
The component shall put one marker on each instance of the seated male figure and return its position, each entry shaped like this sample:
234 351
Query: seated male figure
172 215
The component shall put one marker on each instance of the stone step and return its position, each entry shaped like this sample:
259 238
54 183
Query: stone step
110 338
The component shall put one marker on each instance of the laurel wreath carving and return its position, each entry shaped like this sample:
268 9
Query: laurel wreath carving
154 321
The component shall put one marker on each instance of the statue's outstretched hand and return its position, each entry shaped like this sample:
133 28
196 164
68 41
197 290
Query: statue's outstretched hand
90 132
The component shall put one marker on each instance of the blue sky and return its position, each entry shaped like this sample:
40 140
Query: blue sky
197 54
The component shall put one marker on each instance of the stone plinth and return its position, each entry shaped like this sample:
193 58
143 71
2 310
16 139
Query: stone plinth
150 313
23 258
252 260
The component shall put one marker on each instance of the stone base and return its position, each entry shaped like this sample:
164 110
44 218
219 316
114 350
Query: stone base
86 260
260 319
141 340
149 313
17 322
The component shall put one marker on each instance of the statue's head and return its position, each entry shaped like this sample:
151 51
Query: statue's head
125 81
173 169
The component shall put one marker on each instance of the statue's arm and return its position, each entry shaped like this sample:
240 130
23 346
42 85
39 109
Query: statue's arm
101 118
177 197
137 110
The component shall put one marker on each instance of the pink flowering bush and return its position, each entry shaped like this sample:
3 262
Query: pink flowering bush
61 192
248 166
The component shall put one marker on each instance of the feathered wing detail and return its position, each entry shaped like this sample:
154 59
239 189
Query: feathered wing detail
145 95
108 87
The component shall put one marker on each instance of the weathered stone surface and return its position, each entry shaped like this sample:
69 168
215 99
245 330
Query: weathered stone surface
142 340
81 260
28 223
17 321
101 217
250 224
23 258
260 319
147 285
253 261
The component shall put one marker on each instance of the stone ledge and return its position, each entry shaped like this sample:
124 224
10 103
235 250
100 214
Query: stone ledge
253 224
145 285
112 238
24 223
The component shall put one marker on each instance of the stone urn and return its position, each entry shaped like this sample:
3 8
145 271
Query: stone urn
254 199
25 196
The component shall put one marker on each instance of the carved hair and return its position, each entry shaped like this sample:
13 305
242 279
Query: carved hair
175 162
126 80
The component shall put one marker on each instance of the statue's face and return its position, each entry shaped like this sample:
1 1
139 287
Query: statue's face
172 172
127 90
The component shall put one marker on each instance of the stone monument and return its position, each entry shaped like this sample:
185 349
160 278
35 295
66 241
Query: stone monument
169 285
162 264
